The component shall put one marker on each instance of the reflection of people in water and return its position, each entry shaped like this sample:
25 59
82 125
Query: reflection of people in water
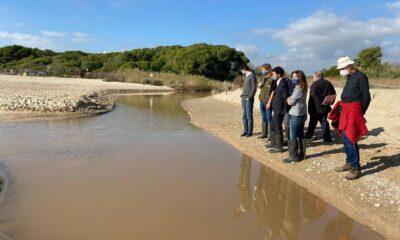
292 219
339 228
313 207
243 185
275 209
281 207
260 198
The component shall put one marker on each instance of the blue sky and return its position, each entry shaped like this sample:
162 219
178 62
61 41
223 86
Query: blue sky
296 34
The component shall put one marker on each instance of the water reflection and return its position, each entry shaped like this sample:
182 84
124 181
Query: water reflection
168 104
144 172
283 210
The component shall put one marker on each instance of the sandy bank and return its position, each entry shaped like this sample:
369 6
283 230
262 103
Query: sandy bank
37 97
373 200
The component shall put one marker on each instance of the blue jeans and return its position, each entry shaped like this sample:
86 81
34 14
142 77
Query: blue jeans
266 114
247 108
297 127
352 152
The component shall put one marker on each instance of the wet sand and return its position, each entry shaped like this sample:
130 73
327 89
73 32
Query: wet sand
373 200
144 172
36 98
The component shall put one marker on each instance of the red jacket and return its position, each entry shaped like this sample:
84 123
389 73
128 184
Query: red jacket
349 118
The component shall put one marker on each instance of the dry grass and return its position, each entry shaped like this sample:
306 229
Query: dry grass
374 82
180 82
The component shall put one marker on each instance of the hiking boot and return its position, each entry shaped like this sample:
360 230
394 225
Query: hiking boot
264 133
293 153
278 147
354 174
302 149
344 168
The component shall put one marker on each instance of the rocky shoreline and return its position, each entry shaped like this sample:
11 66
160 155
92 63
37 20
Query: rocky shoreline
26 97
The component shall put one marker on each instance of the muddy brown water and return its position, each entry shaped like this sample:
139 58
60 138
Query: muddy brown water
144 172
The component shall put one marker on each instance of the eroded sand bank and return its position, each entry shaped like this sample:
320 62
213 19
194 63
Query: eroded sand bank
38 97
373 200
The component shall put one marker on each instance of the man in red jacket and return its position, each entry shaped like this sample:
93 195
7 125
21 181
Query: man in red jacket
355 101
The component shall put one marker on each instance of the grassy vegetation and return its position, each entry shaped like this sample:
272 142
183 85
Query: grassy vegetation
180 82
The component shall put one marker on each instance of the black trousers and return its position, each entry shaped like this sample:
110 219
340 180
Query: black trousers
323 120
277 120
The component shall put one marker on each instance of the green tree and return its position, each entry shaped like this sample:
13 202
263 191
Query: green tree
370 58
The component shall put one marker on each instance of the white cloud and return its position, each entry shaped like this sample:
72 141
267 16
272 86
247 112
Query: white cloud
318 40
53 34
25 39
81 37
58 41
252 52
393 5
247 49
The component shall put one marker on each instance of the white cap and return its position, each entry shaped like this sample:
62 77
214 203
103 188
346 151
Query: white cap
344 62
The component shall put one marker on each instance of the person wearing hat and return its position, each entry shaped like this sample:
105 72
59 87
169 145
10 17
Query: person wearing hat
355 98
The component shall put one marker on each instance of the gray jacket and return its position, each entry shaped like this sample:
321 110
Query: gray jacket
298 101
250 86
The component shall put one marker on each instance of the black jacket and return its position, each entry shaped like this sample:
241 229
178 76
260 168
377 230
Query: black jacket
357 90
279 101
318 91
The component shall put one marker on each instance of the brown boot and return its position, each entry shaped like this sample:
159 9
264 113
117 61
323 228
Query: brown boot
354 174
344 168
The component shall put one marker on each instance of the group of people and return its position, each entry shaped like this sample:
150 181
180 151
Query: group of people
284 108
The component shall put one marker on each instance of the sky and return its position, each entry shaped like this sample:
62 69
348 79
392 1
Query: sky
307 35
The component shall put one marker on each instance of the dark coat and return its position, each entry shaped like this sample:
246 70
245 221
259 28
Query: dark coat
318 91
279 101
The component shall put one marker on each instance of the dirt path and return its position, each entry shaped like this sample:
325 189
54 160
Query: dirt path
373 200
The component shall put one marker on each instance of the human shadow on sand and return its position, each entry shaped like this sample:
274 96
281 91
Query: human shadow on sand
340 150
380 163
376 131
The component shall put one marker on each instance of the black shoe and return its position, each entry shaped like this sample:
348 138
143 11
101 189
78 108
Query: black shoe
327 140
249 135
243 134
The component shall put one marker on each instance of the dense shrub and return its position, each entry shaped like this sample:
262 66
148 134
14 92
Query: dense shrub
215 62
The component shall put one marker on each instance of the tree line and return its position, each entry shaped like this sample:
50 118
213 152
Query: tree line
369 60
212 61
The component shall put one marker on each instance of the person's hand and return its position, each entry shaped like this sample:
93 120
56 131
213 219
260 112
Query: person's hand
268 106
247 99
